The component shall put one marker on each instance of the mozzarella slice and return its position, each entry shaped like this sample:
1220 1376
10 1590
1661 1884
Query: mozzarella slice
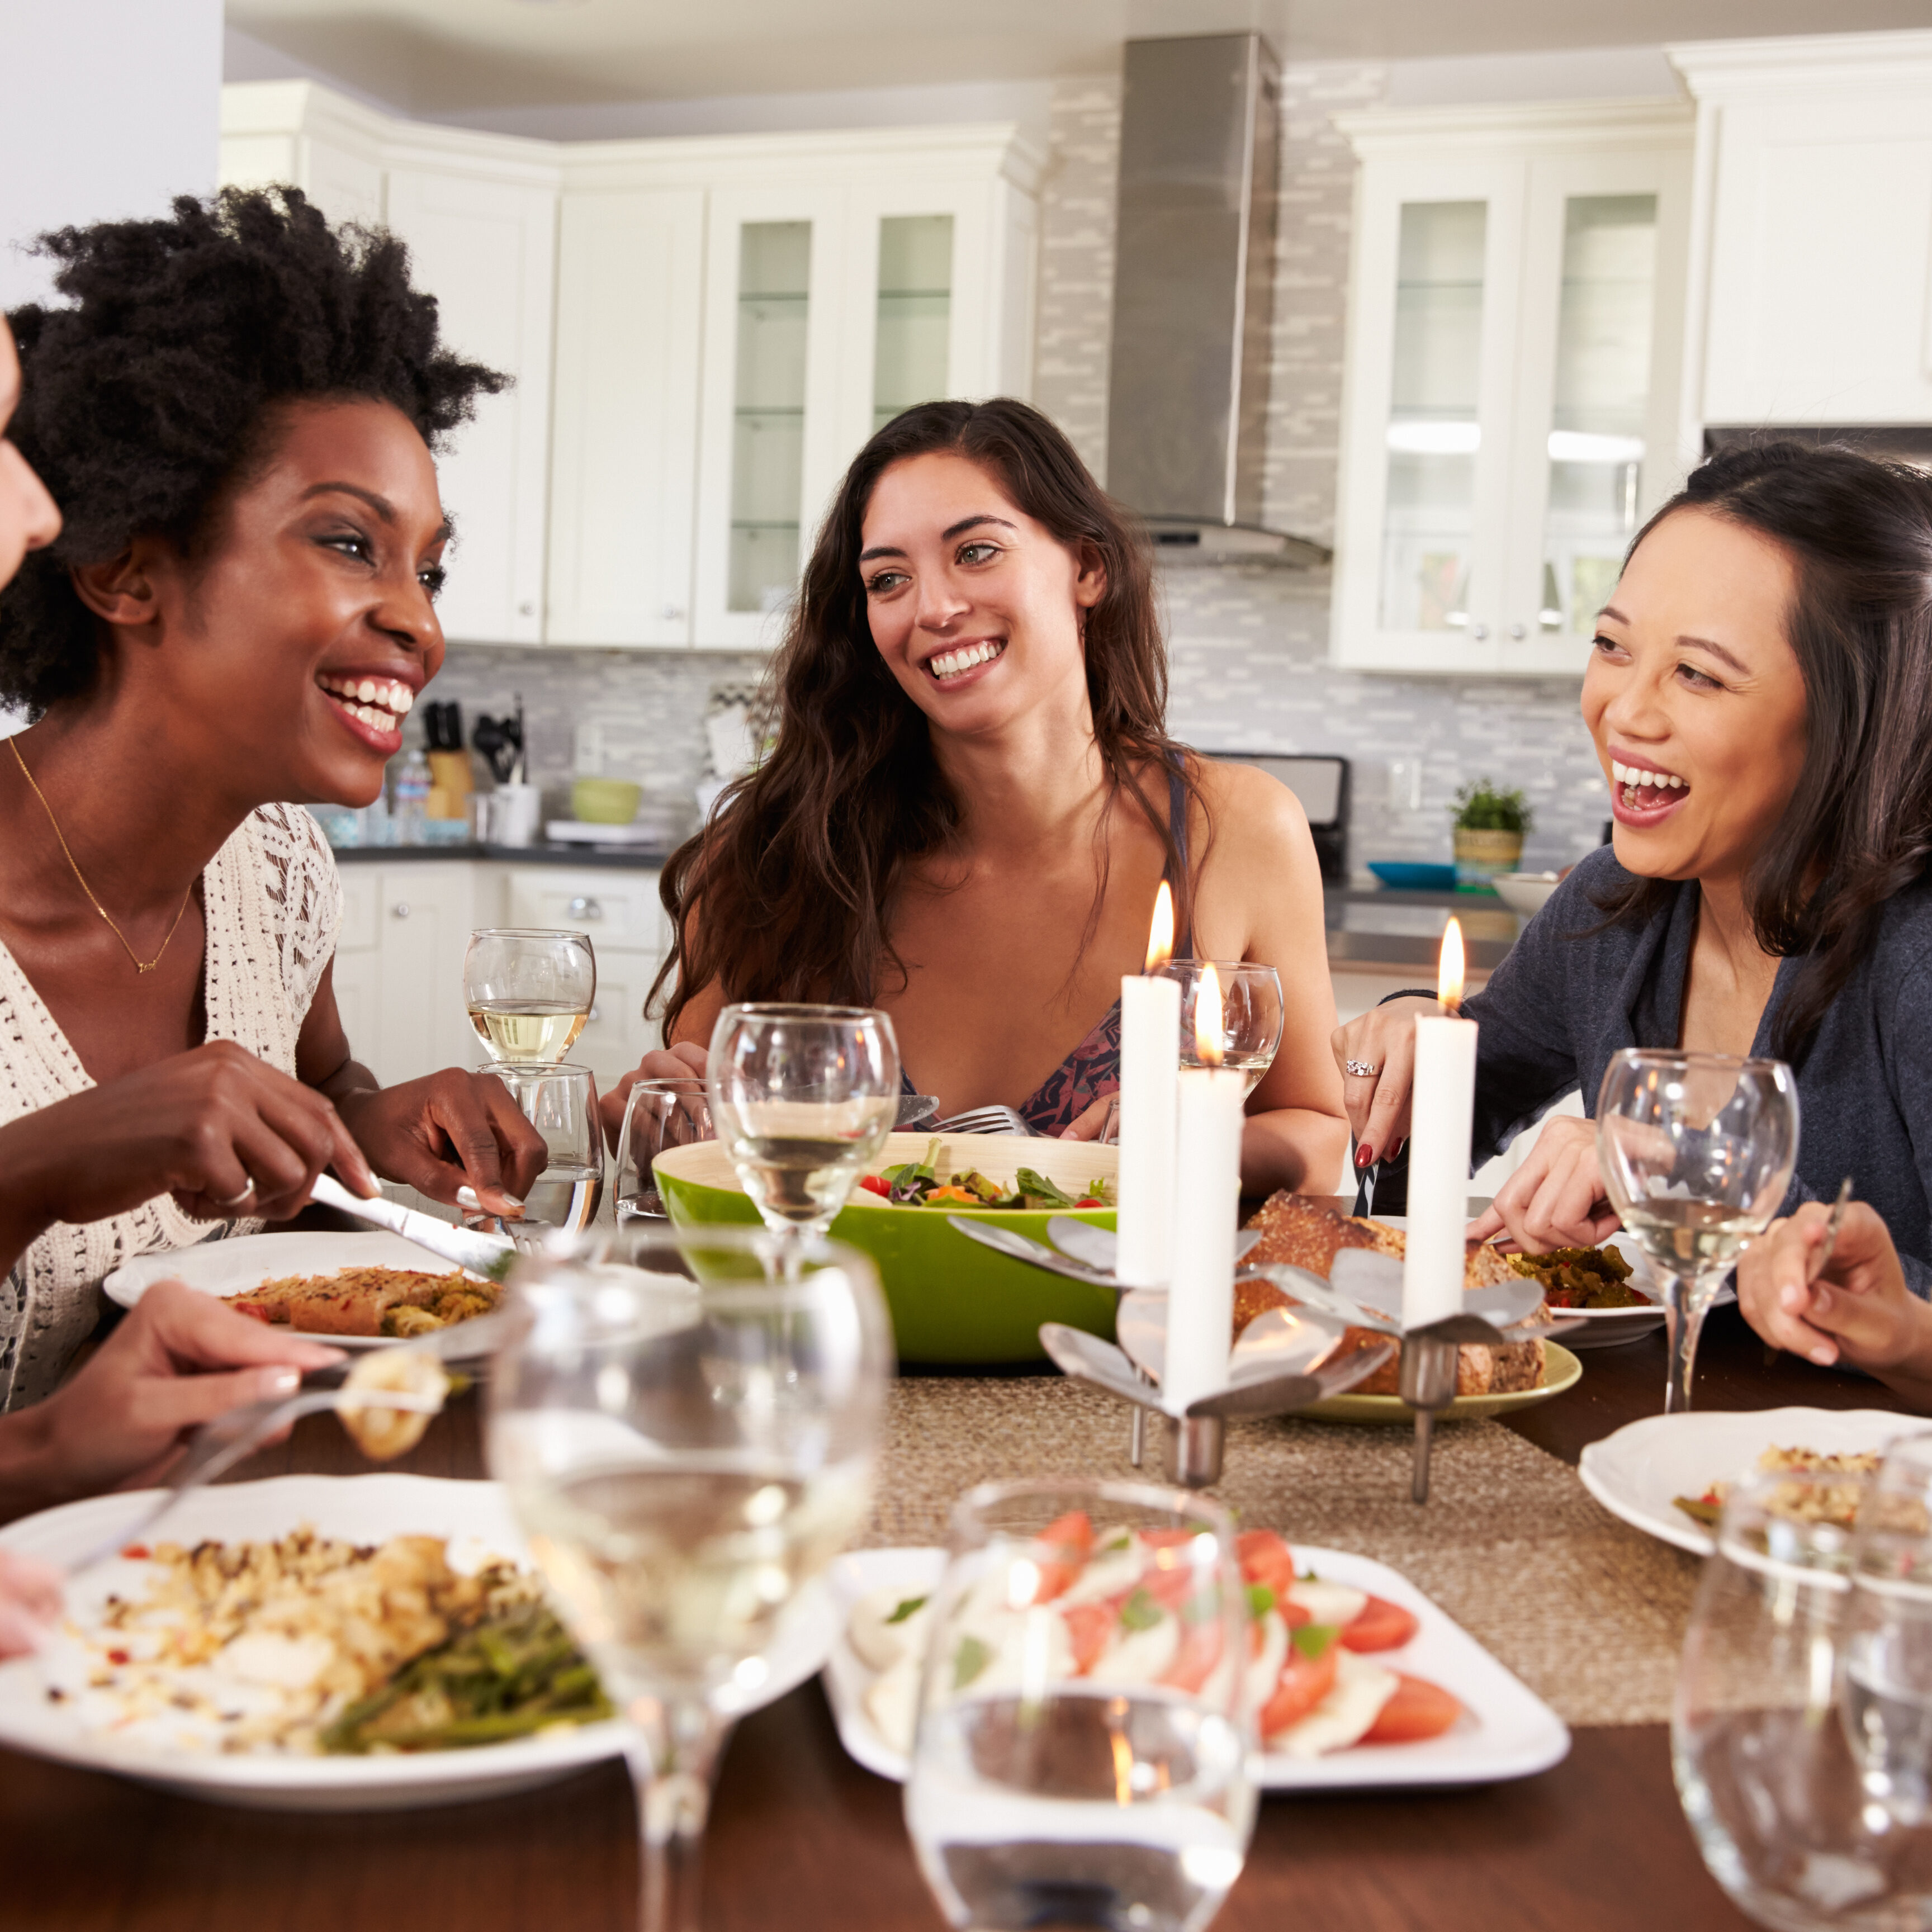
1342 1717
1107 1576
878 1641
1141 1656
1264 1672
1333 1604
891 1704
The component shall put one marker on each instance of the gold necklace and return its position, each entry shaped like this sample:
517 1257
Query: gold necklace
140 964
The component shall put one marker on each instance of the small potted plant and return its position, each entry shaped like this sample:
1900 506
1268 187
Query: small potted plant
1489 825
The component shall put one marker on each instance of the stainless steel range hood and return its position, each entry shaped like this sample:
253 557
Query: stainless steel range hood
1194 296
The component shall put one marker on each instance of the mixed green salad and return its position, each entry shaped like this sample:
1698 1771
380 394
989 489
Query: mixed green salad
933 1183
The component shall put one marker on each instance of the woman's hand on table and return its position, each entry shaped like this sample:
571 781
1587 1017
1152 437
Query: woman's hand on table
1100 1122
1859 1311
1555 1198
684 1061
180 1359
448 1130
1383 1038
223 1131
30 1603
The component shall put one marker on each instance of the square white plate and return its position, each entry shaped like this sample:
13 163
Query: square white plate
1638 1473
223 1268
474 1515
1507 1731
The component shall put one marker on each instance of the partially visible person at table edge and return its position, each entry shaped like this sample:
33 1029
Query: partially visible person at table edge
234 413
973 799
1757 694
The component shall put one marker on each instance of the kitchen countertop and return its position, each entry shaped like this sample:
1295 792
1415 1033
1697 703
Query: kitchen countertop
631 858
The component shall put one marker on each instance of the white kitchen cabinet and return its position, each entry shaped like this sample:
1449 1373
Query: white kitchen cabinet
276 131
1510 411
1813 249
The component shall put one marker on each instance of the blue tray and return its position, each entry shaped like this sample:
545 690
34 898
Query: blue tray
1404 878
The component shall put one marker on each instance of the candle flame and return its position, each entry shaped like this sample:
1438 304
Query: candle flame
1160 935
1207 1017
1449 970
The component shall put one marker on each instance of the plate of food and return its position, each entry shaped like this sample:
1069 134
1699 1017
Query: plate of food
1298 1231
322 1643
361 1291
1609 1290
1359 1679
952 1300
1668 1475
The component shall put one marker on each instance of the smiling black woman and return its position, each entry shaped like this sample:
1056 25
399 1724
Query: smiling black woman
236 411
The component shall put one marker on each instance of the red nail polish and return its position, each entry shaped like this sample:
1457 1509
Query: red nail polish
1395 1152
1365 1157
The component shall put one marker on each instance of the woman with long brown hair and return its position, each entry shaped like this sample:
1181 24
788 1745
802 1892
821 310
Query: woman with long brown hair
973 799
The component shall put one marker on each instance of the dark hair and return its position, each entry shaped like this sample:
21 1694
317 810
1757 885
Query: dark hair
149 396
797 871
1857 827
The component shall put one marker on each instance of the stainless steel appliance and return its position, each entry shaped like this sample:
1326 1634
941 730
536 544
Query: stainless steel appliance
1321 784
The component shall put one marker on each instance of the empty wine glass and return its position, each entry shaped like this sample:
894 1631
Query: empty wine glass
803 1098
659 1113
529 992
1081 1755
1695 1151
561 1103
687 1439
1251 1013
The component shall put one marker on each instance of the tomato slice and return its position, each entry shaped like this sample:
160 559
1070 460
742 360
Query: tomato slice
1419 1709
1304 1682
1266 1559
875 1183
1381 1625
1199 1651
1166 1539
1088 1626
1061 1551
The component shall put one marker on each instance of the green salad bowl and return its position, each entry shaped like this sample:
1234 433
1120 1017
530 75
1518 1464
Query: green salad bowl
952 1301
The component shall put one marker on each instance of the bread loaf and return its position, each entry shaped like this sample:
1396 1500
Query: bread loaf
1299 1232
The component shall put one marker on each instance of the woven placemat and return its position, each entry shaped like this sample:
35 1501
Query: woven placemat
1585 1610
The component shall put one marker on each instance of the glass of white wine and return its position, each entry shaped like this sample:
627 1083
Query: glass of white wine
686 1435
529 991
1695 1151
803 1098
1251 1013
561 1103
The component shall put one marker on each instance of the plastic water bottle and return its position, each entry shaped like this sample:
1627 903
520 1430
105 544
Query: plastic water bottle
411 799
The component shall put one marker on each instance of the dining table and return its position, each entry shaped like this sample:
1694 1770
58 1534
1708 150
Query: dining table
801 1837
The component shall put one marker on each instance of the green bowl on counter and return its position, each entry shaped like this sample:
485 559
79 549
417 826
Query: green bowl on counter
952 1301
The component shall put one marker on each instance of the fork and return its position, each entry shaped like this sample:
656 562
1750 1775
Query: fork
217 1446
988 1119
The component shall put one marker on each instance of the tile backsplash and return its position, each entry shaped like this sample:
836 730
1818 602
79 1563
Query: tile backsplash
1249 644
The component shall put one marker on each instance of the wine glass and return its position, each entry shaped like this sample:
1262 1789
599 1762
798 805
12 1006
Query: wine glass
561 1103
1251 1013
803 1098
1044 1792
1695 1151
686 1438
659 1113
1761 1736
528 992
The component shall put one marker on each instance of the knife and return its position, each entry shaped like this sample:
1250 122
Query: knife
487 1255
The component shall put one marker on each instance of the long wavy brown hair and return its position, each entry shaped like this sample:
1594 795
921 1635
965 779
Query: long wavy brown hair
788 893
1857 827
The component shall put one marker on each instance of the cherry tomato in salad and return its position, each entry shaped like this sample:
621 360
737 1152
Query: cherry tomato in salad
875 1183
1381 1625
1419 1709
1305 1681
1090 1201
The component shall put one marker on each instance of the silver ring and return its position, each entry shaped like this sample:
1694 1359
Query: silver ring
1360 1068
235 1200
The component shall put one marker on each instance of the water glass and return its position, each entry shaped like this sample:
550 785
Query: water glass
1038 1796
529 991
1251 1013
686 1435
803 1098
561 1103
1789 1756
659 1113
1695 1151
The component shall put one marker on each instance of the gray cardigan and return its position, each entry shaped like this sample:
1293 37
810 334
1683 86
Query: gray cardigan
1568 998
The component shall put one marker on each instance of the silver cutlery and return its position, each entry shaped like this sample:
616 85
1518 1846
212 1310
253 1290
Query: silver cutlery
487 1255
988 1119
914 1108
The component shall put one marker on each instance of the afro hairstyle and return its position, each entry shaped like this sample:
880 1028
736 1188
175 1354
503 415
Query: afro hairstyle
148 395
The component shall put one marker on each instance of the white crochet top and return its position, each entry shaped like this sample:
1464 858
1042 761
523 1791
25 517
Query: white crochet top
273 905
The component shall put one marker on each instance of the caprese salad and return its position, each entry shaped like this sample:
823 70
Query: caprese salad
1129 1607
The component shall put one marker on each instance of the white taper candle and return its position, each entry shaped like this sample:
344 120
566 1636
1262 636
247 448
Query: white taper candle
1150 1063
1441 1108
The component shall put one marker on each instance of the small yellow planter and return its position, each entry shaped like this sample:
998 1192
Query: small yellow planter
1481 856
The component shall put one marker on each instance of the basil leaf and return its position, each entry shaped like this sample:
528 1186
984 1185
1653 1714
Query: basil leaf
1260 1600
911 1607
1040 1188
1312 1639
969 1660
1140 1611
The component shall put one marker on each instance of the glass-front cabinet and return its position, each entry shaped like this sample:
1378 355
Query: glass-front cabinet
1511 407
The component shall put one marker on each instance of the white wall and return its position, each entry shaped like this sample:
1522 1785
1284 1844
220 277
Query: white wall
110 107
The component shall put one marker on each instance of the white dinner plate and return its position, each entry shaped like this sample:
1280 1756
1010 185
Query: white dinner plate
223 1268
474 1515
1637 1473
1507 1731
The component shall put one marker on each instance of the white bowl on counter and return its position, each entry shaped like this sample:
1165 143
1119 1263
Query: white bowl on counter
1524 893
